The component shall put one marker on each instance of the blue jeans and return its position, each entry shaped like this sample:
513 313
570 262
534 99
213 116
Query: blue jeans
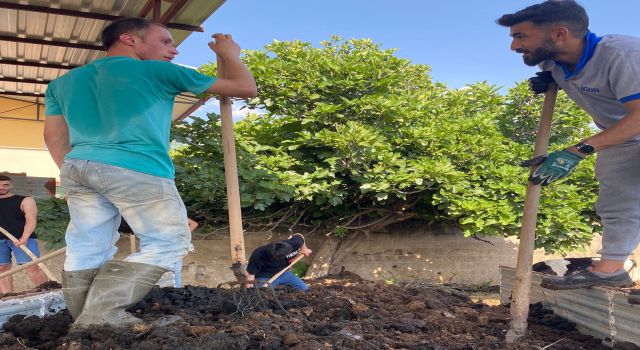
98 193
7 246
287 279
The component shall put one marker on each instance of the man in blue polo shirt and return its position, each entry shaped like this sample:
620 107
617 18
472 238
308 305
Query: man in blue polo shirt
602 75
107 128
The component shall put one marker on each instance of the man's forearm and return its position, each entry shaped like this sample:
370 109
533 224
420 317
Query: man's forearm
235 70
28 230
56 137
58 153
620 132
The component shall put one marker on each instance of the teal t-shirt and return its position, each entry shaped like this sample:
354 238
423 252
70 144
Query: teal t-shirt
118 110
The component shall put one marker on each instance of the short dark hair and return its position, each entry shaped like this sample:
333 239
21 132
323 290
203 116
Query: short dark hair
4 178
111 34
566 12
279 250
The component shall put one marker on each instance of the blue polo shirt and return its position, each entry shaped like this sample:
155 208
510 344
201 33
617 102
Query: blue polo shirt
118 110
606 77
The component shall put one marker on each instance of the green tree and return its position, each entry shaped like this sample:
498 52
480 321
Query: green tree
349 137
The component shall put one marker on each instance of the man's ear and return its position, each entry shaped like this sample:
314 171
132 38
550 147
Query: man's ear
560 34
128 39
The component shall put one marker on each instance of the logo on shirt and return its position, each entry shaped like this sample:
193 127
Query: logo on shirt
291 255
589 89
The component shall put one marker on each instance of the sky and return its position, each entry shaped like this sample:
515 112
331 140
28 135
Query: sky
459 40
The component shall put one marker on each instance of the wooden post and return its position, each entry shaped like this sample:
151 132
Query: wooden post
132 243
157 11
26 250
231 177
33 262
521 294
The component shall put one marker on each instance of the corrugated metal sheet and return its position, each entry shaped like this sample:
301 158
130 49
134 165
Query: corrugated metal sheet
601 312
41 304
55 27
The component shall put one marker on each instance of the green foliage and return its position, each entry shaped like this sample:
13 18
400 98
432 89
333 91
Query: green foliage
53 218
300 269
350 137
520 120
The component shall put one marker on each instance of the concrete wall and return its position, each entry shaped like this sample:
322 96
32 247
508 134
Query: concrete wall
21 133
33 162
38 187
433 254
22 148
426 254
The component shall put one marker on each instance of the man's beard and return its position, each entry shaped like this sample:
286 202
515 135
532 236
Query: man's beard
540 54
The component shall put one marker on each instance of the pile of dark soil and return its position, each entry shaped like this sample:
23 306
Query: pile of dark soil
49 285
336 314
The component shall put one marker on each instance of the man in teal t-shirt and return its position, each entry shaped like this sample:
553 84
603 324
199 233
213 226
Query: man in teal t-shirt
107 128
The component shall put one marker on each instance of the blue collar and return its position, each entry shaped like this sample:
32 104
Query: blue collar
592 41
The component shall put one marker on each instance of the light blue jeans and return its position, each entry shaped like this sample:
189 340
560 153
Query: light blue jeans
98 193
287 279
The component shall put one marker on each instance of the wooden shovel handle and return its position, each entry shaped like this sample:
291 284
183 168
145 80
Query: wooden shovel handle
521 294
231 176
29 253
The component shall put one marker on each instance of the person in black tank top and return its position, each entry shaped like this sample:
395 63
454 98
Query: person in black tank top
18 216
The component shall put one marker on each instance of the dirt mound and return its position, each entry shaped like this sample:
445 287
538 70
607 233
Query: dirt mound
335 314
49 285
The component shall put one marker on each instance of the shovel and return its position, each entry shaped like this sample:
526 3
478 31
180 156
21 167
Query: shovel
233 189
29 253
521 295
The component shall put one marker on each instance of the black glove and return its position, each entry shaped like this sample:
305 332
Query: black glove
540 83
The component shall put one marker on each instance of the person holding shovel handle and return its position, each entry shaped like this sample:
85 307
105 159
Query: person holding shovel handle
601 74
268 260
18 215
107 127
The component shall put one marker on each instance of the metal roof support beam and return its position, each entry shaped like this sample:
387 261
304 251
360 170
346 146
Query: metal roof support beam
173 10
91 15
37 64
22 119
157 10
28 81
26 94
51 43
16 99
146 8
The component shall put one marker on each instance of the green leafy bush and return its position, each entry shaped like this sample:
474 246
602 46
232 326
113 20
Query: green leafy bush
349 137
53 218
300 269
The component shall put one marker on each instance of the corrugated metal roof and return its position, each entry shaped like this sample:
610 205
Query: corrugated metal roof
25 21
